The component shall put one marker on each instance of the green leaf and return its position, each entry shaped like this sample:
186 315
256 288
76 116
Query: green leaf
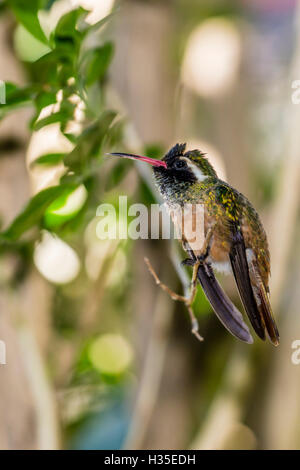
89 144
48 159
42 100
45 98
15 97
71 137
66 30
28 48
26 13
96 62
64 115
114 136
67 25
117 174
54 117
65 207
34 211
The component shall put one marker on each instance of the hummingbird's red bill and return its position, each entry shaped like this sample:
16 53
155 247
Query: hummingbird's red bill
151 161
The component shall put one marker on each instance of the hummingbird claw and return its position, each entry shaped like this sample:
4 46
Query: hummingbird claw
195 325
188 262
202 258
198 336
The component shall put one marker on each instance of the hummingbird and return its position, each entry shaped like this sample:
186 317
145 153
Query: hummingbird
230 238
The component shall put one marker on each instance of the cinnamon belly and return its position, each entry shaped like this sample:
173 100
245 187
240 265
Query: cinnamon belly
191 224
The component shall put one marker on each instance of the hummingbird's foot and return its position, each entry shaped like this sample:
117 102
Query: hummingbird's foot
191 260
186 300
188 262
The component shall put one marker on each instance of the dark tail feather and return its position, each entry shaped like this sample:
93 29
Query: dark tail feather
263 302
227 313
241 273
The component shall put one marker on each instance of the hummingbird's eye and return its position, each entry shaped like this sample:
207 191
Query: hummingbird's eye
180 164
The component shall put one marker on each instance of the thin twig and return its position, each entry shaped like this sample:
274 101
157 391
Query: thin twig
163 286
187 300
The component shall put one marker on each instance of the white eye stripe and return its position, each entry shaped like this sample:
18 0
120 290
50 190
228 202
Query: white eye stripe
195 169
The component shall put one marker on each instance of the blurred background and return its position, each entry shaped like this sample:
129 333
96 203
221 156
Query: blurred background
97 356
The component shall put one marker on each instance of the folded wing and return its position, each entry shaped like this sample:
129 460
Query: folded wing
251 288
262 298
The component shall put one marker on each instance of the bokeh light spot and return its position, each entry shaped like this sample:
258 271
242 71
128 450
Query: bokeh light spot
55 259
111 354
212 57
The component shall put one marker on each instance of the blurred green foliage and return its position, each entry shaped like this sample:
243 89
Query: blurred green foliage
72 61
72 67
